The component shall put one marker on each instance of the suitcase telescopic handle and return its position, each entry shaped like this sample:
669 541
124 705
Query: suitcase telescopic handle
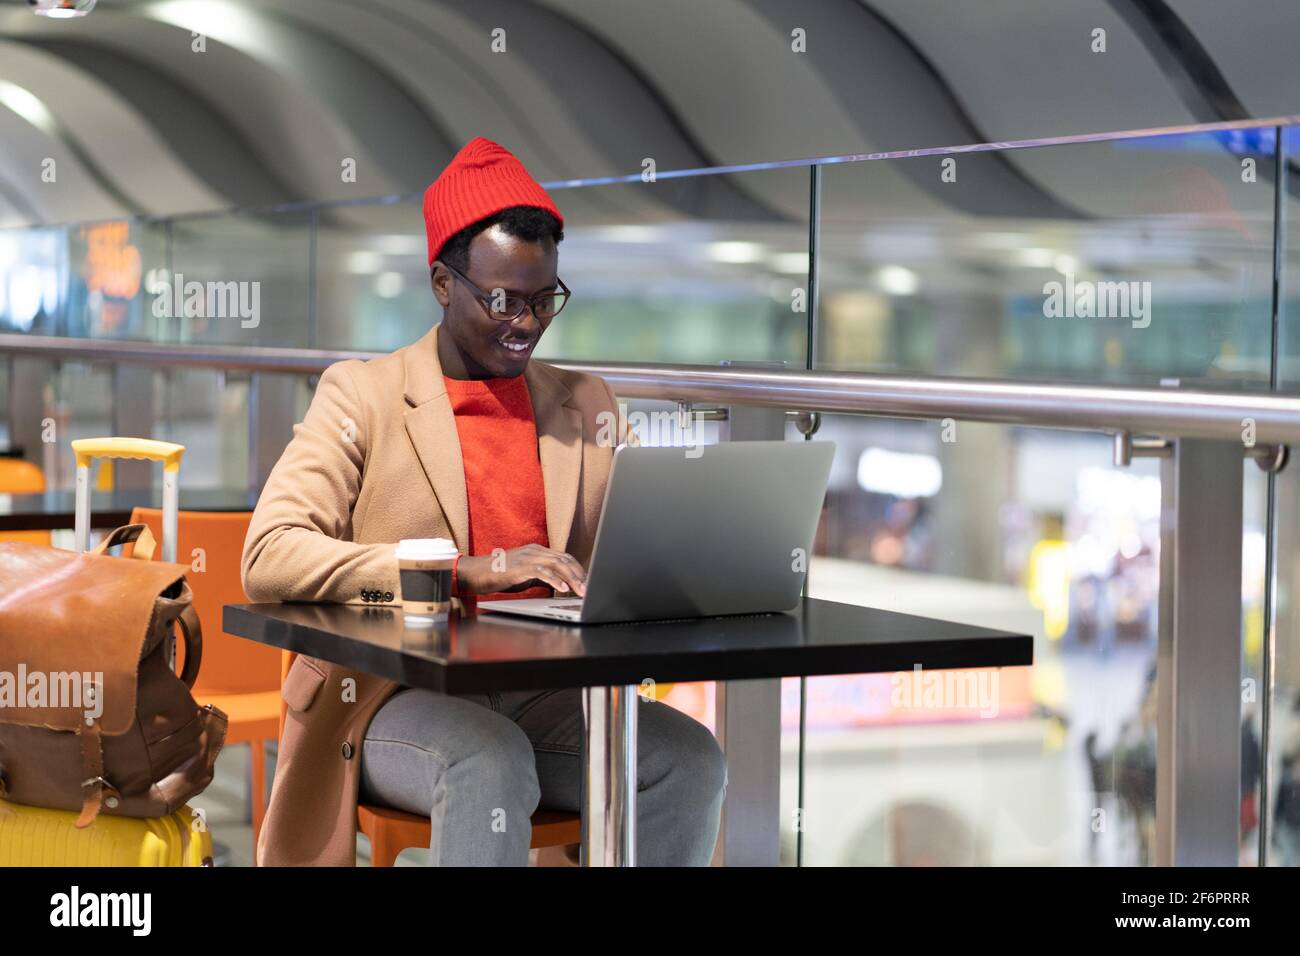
147 448
87 449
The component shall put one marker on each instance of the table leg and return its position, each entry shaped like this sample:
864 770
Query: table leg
609 776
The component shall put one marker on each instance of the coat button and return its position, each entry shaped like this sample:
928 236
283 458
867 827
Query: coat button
347 750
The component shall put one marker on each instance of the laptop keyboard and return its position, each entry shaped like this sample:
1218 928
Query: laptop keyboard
566 604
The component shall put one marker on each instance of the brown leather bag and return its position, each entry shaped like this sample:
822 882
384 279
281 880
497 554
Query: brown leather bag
113 729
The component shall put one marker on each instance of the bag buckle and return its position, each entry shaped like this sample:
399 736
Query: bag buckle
112 798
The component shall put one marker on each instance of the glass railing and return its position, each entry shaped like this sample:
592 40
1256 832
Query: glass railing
922 274
1136 260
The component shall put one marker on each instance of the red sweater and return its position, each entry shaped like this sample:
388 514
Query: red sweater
503 474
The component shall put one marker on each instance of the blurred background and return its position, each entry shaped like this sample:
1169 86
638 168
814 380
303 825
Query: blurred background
287 143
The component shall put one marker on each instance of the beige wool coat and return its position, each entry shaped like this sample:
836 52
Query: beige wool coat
377 459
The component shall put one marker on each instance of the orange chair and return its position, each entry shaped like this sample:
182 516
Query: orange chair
19 477
392 831
239 677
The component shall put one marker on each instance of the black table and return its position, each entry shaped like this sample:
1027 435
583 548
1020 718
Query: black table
52 510
610 661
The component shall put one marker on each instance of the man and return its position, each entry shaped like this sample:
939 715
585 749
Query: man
459 435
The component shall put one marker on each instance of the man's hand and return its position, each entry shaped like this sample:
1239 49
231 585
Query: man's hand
527 567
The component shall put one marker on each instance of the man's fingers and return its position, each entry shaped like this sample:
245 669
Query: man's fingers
550 577
573 573
556 569
572 581
572 576
576 575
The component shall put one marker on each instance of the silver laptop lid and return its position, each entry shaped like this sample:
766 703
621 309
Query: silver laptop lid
718 529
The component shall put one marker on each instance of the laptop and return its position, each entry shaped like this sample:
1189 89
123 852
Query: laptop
728 531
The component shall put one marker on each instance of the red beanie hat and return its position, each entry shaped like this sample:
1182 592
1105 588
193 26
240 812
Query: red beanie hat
481 180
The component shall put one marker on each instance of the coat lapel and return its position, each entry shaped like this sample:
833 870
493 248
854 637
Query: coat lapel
431 426
559 443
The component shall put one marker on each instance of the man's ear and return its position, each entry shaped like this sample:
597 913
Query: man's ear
440 281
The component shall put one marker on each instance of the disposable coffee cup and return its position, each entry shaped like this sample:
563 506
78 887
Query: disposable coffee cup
424 572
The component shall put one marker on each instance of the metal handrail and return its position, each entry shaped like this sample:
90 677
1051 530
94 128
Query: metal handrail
243 358
1166 412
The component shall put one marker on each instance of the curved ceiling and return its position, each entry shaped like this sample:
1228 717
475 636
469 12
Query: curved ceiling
285 93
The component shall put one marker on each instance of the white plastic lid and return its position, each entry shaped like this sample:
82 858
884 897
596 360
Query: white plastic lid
426 549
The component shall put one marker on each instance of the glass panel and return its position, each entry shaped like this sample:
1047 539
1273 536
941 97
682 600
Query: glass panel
1031 531
685 270
205 410
111 266
1134 262
33 280
237 280
5 440
372 278
1283 804
1253 579
1028 530
79 400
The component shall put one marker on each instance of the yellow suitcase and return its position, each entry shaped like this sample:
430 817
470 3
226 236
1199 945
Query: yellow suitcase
35 836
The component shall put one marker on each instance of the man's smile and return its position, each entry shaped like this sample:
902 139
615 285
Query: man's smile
519 346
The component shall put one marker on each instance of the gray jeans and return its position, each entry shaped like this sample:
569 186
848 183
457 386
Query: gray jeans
479 765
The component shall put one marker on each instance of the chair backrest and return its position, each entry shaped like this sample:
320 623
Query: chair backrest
19 477
212 543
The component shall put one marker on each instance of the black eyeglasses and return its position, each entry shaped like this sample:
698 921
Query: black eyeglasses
505 307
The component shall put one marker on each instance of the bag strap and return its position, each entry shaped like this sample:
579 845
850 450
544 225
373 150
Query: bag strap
193 633
93 785
127 533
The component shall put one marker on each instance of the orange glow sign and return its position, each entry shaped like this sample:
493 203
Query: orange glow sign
113 265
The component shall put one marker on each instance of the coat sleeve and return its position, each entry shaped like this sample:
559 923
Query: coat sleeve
297 547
